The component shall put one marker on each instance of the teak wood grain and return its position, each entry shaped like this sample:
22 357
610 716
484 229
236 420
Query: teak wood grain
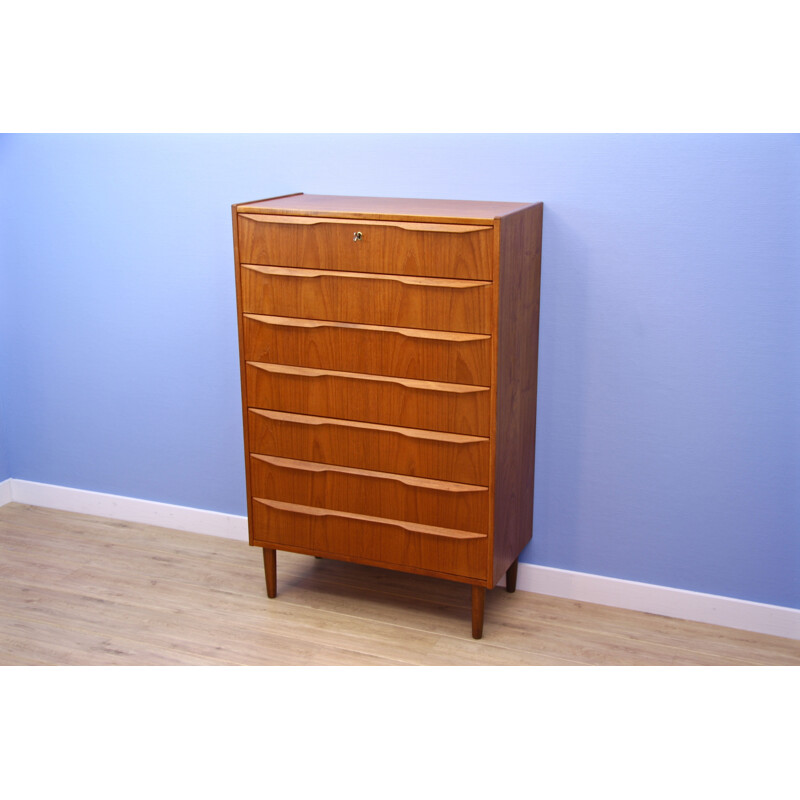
432 303
517 287
242 362
373 349
384 448
386 346
380 494
426 249
451 407
461 212
378 541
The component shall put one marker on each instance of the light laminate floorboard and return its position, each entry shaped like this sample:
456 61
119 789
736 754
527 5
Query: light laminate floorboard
83 590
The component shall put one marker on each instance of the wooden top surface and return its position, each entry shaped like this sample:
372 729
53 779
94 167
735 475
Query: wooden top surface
389 208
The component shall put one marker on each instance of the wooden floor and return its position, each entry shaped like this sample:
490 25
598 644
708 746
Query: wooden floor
83 590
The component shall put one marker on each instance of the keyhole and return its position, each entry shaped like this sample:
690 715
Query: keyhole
357 236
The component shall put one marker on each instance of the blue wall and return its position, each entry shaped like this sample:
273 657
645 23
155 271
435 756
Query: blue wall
7 320
669 382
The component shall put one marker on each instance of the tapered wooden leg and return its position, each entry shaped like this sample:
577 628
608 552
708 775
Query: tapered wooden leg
478 600
511 576
270 572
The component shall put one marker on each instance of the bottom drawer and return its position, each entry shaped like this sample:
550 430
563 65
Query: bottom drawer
369 540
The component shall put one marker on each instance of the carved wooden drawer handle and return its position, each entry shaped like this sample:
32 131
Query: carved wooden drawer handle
409 280
411 433
430 227
412 333
409 383
414 527
408 480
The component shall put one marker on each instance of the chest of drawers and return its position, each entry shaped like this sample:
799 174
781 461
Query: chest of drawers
388 364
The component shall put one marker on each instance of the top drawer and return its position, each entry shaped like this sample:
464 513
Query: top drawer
427 249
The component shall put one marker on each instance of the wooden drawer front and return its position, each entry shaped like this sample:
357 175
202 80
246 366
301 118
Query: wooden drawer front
378 350
432 303
380 494
369 539
453 407
384 448
404 248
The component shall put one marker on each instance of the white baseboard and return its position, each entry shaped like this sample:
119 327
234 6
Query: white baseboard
664 600
147 512
581 586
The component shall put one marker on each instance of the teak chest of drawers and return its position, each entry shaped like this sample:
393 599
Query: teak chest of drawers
388 361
